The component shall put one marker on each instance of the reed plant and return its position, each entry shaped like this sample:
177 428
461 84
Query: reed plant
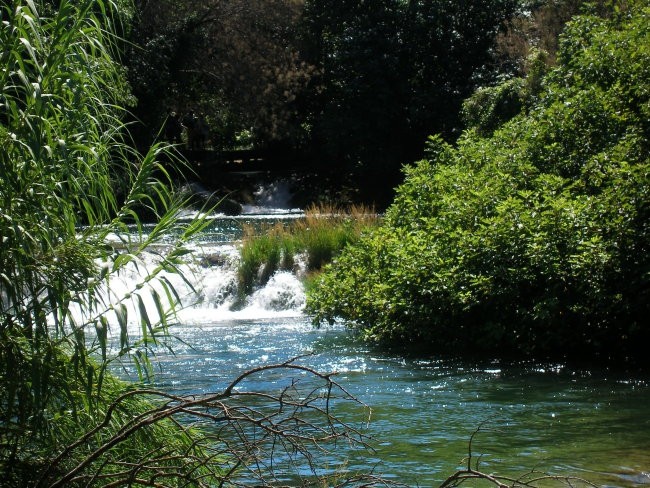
315 239
64 158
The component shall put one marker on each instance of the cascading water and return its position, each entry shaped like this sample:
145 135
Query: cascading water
207 283
586 423
271 198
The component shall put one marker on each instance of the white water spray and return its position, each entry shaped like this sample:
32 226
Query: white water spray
272 198
208 289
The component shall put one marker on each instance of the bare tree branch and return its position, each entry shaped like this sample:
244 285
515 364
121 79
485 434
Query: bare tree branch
235 436
531 479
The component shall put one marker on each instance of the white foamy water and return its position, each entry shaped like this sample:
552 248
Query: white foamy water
207 282
207 286
282 297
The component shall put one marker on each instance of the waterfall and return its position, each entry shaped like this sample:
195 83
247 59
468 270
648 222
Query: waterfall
282 296
272 197
207 286
211 292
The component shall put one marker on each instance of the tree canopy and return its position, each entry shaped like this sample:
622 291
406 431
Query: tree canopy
235 61
533 240
395 71
356 86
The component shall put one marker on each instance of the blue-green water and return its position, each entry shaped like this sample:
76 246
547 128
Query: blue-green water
587 423
580 423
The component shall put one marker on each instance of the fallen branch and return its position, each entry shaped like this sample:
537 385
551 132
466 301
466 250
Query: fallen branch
233 437
531 479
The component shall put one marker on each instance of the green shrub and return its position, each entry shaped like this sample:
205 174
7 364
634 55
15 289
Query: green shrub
531 241
320 236
489 107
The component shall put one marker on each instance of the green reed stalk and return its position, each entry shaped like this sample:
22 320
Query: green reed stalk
63 159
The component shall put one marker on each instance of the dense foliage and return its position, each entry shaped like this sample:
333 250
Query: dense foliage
236 62
393 72
61 149
534 240
352 87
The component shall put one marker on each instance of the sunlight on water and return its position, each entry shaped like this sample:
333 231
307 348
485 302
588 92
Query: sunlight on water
424 410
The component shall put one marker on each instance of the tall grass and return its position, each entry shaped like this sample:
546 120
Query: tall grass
316 239
63 157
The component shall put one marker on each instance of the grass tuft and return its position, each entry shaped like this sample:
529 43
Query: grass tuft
317 238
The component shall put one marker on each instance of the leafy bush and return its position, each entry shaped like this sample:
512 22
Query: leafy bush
490 107
532 241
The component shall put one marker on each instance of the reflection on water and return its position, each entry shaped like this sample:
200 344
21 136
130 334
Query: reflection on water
424 411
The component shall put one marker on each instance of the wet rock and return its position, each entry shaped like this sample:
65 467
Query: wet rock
215 259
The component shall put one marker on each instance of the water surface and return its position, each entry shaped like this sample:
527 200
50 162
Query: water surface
424 410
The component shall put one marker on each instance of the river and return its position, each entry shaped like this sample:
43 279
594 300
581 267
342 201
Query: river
548 417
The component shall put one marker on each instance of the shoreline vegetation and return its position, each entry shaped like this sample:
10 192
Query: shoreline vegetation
529 237
549 213
303 245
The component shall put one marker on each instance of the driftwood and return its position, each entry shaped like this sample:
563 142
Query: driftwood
247 438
